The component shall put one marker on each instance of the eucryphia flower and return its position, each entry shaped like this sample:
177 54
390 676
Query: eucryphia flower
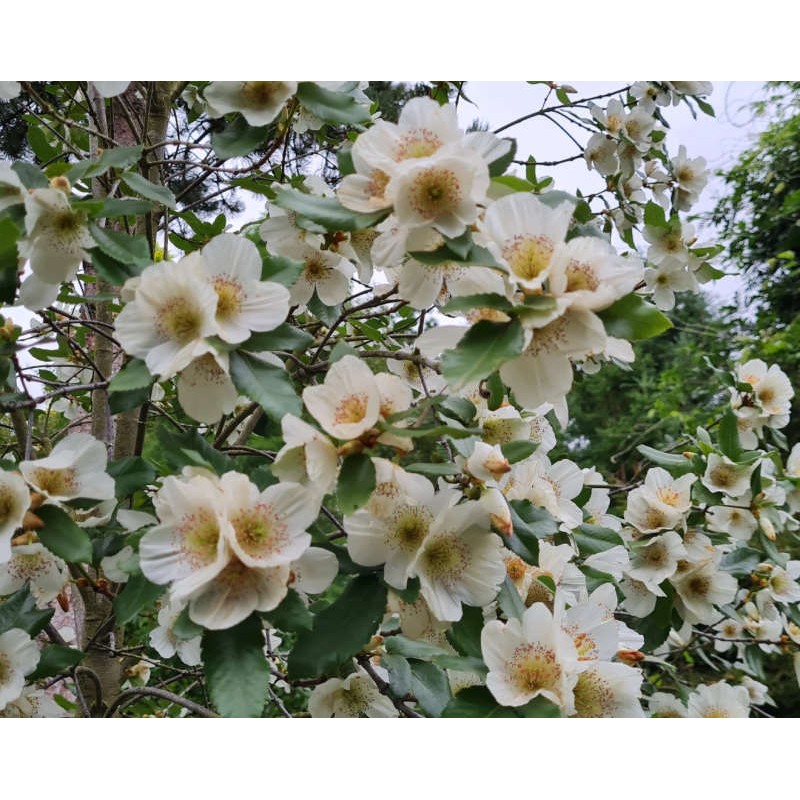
15 498
308 457
719 700
259 102
45 573
164 641
19 656
354 696
75 468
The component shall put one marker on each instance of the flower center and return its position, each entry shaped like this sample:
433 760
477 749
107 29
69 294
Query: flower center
179 320
260 94
9 506
258 530
56 482
417 144
593 697
351 410
410 527
581 277
445 558
435 192
229 296
316 269
534 667
200 534
528 256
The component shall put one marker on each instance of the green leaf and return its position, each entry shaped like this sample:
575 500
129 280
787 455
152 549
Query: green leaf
130 474
472 301
236 669
654 216
497 391
114 158
322 311
9 260
518 450
729 435
55 659
509 600
465 635
741 561
500 165
634 318
125 401
411 648
266 384
122 207
62 536
433 469
477 702
126 249
190 449
655 627
133 375
158 194
110 269
530 521
430 686
356 482
138 593
238 138
325 211
592 539
285 337
184 628
329 106
477 257
291 615
340 630
399 674
461 664
459 407
19 611
30 175
671 461
484 347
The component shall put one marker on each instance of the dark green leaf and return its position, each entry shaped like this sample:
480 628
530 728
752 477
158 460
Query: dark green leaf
30 175
671 461
500 165
655 627
123 207
411 648
340 630
184 628
158 194
741 561
236 669
130 474
55 659
531 521
461 664
238 138
399 674
459 407
329 106
634 318
465 635
116 157
62 536
433 469
356 482
284 337
430 686
291 615
327 314
127 249
125 401
654 216
19 611
110 269
139 593
472 301
325 211
134 375
494 385
729 435
518 450
477 257
484 347
478 701
509 600
266 384
9 260
176 447
592 539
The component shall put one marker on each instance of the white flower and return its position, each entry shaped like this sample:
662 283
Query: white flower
33 562
656 558
110 88
701 588
354 696
245 303
719 700
640 596
172 313
523 234
601 153
459 561
9 89
314 571
691 175
19 656
11 188
348 403
325 272
722 475
739 523
259 102
205 388
14 501
167 644
604 689
76 467
782 585
666 705
33 703
668 277
529 659
773 390
308 457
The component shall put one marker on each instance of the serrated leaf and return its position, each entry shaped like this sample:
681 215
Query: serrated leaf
19 611
484 347
133 375
465 635
138 593
430 686
340 630
330 106
356 482
238 138
634 318
592 539
236 669
120 246
285 337
110 269
130 474
266 384
62 536
291 615
158 194
412 648
54 660
325 211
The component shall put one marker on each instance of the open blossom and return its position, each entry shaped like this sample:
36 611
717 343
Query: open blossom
308 457
167 644
75 468
19 656
723 475
719 700
34 564
354 696
259 102
14 501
